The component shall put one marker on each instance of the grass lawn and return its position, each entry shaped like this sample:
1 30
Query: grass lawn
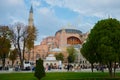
60 76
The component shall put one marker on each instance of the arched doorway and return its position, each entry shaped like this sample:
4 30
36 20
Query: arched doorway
73 40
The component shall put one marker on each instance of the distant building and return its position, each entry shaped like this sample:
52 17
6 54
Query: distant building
59 43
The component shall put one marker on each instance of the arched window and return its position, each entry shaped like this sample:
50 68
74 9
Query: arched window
73 40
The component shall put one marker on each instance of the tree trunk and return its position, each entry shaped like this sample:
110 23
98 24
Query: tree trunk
92 67
20 54
24 48
28 56
21 61
110 69
12 62
33 53
114 68
3 63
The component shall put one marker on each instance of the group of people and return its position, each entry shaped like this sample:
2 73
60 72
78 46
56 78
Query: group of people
66 67
51 66
70 67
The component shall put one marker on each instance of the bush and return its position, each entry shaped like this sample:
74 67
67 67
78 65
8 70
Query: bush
39 70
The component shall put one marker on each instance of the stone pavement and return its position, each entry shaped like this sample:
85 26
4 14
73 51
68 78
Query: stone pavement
55 70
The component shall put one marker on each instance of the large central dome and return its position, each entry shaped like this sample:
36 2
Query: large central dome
74 31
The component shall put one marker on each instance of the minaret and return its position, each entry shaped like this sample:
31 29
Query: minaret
30 20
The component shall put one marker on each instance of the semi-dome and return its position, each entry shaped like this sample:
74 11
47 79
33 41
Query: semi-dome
69 31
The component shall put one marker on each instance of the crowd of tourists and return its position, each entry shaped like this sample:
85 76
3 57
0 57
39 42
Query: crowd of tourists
66 67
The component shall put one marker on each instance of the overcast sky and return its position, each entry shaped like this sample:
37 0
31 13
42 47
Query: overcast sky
52 15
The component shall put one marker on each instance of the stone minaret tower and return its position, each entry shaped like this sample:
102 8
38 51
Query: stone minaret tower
30 20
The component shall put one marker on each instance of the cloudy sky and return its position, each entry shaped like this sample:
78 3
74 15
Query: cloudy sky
52 15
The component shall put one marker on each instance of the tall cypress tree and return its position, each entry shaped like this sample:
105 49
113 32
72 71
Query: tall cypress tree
39 70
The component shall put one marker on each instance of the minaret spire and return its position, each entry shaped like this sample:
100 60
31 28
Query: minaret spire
30 20
31 9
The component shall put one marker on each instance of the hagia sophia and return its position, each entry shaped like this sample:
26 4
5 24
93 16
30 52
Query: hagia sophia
58 43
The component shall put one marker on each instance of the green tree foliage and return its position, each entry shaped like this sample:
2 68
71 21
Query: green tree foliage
13 55
39 70
4 43
104 39
59 56
4 50
89 53
71 54
31 37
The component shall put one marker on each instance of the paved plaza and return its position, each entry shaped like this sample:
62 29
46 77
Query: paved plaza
56 70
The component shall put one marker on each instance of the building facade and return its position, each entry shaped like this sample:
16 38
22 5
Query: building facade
58 44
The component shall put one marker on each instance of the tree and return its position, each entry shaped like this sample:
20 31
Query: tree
13 55
31 37
72 53
104 39
89 53
4 51
4 43
39 70
22 38
59 56
17 33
